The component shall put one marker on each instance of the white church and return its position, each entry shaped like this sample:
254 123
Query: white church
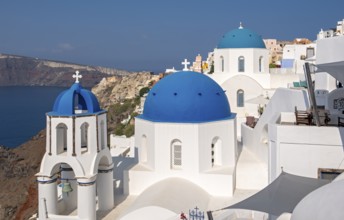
192 147
77 157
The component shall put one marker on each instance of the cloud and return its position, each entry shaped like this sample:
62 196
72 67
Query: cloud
63 47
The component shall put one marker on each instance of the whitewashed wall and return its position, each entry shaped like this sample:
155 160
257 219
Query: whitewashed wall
301 150
196 166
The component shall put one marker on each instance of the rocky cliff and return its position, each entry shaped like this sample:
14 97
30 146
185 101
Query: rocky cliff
18 187
27 71
115 89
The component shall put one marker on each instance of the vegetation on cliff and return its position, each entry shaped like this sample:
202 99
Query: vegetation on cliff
121 96
121 117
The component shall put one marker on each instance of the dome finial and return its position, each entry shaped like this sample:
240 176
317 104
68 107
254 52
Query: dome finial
185 63
240 26
77 76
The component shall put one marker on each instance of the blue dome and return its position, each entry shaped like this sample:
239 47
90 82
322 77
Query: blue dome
75 98
241 38
186 97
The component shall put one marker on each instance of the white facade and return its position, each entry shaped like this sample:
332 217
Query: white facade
255 60
304 150
208 155
251 78
329 50
299 53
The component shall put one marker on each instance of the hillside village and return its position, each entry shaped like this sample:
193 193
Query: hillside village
250 104
221 135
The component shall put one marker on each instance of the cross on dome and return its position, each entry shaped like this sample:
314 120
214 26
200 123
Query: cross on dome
240 26
185 63
77 76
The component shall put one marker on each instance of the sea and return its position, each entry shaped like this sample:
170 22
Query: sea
22 112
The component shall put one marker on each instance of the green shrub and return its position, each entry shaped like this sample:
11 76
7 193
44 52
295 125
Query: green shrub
119 130
143 91
272 65
129 130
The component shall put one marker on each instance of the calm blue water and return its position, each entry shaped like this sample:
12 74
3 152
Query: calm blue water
22 112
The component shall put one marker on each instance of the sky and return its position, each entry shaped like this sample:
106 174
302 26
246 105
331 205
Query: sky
150 35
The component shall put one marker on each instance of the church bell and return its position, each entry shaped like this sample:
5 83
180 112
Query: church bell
67 188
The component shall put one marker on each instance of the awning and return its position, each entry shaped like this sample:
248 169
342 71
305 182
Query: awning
282 195
335 69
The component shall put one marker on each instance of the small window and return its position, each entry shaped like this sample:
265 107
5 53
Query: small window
144 150
241 64
61 138
240 98
84 137
216 152
222 64
310 52
176 155
329 174
261 69
102 135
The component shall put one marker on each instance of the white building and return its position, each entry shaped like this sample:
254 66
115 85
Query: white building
187 135
241 67
305 150
275 50
330 51
338 31
76 171
295 56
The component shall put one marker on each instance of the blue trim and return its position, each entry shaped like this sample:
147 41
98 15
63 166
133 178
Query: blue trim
57 114
241 38
86 184
47 181
232 116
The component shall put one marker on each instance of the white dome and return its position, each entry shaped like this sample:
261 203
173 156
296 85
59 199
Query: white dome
323 203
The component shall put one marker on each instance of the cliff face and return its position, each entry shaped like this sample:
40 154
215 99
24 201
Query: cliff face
26 71
115 89
18 187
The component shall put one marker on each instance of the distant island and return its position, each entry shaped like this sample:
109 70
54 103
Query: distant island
27 71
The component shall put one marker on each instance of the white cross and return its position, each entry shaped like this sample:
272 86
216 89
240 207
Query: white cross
77 76
241 27
185 63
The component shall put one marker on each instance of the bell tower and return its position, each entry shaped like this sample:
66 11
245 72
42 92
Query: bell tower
77 166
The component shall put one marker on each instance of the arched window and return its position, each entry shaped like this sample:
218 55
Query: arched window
241 64
102 135
79 104
176 154
216 152
222 64
61 138
84 137
261 64
240 98
144 151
